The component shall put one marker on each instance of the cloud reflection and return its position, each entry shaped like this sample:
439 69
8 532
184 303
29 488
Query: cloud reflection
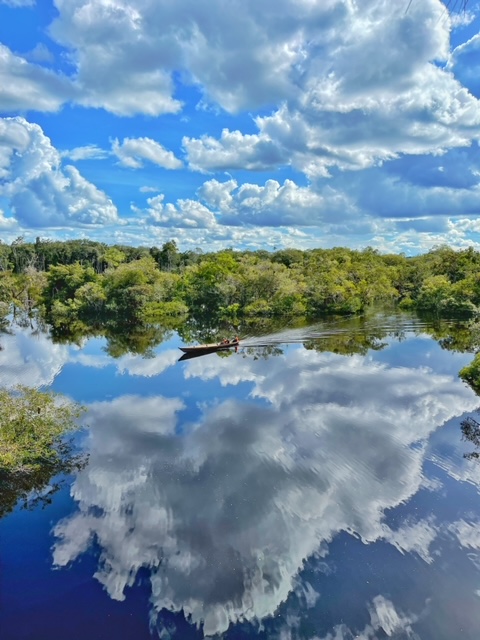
30 360
131 364
223 512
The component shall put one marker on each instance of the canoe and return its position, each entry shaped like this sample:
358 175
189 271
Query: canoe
211 348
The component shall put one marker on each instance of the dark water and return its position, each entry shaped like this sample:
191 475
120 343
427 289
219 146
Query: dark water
279 492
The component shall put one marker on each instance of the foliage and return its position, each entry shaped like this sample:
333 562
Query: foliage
471 373
33 425
82 283
471 432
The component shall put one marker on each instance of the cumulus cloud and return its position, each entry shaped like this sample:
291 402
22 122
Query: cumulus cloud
133 151
223 204
354 108
121 55
234 150
246 45
335 100
30 86
328 457
448 185
275 204
185 213
387 135
313 136
42 192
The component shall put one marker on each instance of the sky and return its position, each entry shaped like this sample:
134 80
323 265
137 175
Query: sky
249 124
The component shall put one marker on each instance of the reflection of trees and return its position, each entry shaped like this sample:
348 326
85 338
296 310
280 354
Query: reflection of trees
137 338
204 327
471 432
463 337
347 344
37 487
264 352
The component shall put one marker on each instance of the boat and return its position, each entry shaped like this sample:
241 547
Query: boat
212 347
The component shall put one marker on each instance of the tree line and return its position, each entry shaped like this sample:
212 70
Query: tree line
82 282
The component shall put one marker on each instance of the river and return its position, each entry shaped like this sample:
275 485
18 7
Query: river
312 485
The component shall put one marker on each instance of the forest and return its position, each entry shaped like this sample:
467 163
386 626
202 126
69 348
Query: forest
80 283
136 296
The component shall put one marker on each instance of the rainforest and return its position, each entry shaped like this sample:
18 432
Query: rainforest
205 495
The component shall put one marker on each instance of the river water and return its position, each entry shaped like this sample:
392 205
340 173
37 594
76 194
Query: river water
312 485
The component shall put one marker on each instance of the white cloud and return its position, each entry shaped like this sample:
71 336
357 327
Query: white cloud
462 18
170 502
344 103
211 238
133 151
7 223
336 100
323 131
88 152
234 150
221 204
275 204
335 96
30 86
188 214
41 192
355 107
121 53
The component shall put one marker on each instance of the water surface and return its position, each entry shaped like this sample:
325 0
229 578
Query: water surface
312 485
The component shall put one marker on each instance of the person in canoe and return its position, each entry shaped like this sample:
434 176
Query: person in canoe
208 348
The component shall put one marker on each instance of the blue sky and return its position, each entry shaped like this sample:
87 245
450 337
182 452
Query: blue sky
252 124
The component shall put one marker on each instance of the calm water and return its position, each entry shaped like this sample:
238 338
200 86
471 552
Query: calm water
304 494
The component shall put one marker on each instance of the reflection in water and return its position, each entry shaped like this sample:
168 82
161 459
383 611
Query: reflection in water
30 490
224 511
29 358
471 432
346 336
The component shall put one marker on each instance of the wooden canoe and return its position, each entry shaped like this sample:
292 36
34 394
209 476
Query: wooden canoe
210 348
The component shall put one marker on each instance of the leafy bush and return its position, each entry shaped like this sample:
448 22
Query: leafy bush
32 426
471 373
33 448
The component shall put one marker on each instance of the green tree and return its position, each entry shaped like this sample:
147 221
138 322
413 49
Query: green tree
33 426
